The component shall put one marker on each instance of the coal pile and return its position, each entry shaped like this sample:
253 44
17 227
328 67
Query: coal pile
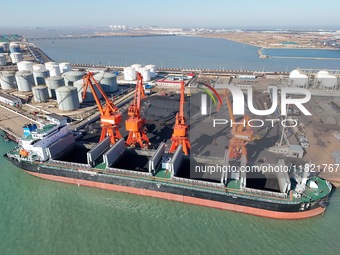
161 108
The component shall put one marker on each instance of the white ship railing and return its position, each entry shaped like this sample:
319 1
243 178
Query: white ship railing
197 182
128 172
265 193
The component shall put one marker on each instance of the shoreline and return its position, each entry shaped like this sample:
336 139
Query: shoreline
266 56
267 47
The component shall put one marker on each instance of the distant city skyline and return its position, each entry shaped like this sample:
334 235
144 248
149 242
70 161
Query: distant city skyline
213 13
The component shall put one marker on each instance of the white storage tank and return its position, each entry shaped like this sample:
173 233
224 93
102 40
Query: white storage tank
25 66
136 67
64 67
72 76
16 57
7 80
329 82
5 46
14 47
322 73
40 94
53 83
25 80
145 73
40 76
39 68
3 60
67 98
89 96
298 79
49 64
152 69
107 80
129 74
320 76
54 70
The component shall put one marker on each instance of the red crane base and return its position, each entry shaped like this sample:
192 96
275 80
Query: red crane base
184 141
237 148
137 137
112 132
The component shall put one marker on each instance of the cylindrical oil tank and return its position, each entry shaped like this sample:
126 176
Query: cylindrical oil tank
72 76
49 64
39 77
136 67
16 57
40 94
14 47
322 73
145 73
67 98
54 70
3 60
89 96
298 79
53 83
25 66
5 46
329 81
7 80
107 80
25 80
64 67
320 76
39 68
129 74
152 69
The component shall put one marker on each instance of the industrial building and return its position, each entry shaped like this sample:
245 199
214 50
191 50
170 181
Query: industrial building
173 80
57 119
10 100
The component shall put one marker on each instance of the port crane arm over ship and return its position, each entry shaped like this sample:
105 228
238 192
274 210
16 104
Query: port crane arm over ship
110 117
134 124
179 136
241 135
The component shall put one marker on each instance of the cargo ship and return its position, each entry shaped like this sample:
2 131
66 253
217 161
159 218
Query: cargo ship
40 153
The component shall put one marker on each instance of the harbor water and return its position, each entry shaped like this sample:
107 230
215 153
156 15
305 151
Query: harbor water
45 217
183 52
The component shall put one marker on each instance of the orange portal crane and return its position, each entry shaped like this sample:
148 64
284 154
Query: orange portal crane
179 135
241 135
110 118
134 124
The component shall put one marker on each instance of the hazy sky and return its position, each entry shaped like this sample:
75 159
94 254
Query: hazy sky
172 13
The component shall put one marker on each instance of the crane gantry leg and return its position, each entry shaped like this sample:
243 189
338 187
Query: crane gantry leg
179 136
134 124
110 131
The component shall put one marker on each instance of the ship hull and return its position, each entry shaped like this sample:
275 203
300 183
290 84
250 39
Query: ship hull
269 208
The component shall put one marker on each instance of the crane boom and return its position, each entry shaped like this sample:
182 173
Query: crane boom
181 102
241 134
179 136
134 124
88 81
110 117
